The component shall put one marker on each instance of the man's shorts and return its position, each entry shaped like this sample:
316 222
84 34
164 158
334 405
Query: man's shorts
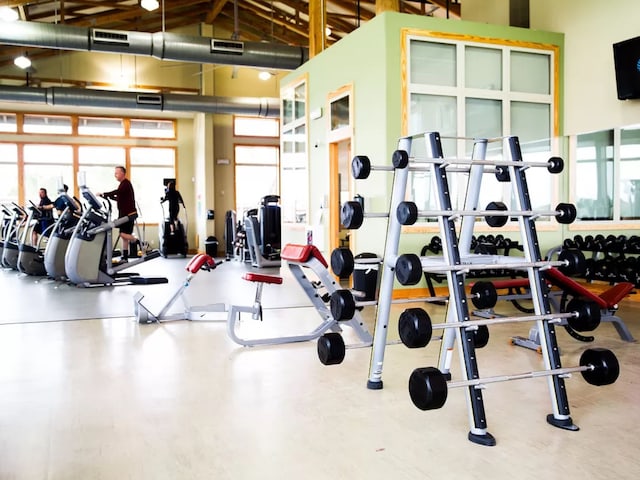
42 226
127 227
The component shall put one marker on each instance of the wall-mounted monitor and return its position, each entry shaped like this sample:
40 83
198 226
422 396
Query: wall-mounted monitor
626 57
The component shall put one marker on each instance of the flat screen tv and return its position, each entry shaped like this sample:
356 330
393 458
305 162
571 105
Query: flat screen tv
626 57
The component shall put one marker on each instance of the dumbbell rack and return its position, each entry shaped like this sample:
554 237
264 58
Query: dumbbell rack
454 250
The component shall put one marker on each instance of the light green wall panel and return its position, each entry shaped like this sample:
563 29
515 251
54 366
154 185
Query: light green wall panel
370 60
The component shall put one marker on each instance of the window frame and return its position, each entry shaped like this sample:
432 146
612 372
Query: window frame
461 94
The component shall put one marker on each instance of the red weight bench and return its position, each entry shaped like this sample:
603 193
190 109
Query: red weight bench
302 261
607 301
197 263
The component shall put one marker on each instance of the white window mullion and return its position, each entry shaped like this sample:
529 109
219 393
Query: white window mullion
617 194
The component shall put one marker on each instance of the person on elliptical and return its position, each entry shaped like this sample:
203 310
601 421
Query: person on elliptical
126 201
175 199
45 208
60 203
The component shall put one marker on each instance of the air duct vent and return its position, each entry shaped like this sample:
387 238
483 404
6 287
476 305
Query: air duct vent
227 47
109 37
149 99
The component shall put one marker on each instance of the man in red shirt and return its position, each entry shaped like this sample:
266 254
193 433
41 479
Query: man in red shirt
126 201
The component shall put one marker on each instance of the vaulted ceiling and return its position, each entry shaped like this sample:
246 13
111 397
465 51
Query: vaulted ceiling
278 21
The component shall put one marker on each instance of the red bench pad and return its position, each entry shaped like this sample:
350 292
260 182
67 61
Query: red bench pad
262 278
615 294
301 253
198 261
607 299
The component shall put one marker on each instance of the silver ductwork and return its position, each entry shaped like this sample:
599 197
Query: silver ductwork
161 45
161 102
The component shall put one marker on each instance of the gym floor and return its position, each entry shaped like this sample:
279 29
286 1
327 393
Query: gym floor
88 393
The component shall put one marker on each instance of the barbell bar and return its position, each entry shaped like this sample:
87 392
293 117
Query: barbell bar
496 213
428 386
554 165
415 327
343 304
361 166
352 215
409 268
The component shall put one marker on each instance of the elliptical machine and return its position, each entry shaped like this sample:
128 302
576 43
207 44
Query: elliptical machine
30 256
173 235
89 256
54 253
16 224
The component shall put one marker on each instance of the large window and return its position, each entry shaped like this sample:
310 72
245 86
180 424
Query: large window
606 176
294 170
256 175
256 161
471 89
26 166
149 168
8 173
44 167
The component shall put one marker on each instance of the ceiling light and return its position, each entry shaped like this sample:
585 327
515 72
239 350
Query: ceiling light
8 14
327 31
22 61
264 75
149 5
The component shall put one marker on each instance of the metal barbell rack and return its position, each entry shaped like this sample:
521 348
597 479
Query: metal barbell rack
454 249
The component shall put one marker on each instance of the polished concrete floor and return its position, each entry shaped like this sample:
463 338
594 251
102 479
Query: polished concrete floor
88 393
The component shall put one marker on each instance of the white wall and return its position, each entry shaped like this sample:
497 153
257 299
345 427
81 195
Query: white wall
591 27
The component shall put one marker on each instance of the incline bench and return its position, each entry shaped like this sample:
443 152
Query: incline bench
607 301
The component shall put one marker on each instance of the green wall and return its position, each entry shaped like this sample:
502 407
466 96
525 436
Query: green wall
370 60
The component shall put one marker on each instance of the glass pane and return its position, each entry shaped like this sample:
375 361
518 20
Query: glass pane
432 63
46 176
287 111
47 124
99 163
149 189
483 68
8 153
594 176
152 128
300 136
252 183
530 72
340 113
8 184
165 157
539 181
483 118
530 121
300 102
256 155
630 174
255 127
294 200
107 127
8 122
113 156
433 113
48 154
